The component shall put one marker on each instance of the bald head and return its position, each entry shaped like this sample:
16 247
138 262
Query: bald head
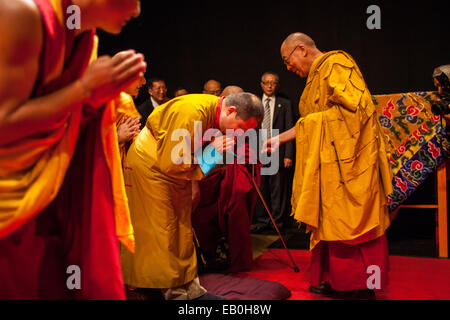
298 52
297 38
231 90
212 87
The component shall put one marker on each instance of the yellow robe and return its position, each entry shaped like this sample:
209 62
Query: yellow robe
32 170
124 105
342 174
159 194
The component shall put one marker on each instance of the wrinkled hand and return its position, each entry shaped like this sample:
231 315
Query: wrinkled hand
128 129
223 143
271 145
287 163
106 77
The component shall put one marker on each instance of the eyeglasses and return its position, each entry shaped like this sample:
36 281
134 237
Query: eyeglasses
286 60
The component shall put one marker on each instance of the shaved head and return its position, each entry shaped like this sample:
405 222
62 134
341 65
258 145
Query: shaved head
212 87
231 90
298 52
297 38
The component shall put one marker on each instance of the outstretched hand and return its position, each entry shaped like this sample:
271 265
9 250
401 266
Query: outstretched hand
271 145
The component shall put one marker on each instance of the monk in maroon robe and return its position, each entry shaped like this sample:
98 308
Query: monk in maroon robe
225 211
61 203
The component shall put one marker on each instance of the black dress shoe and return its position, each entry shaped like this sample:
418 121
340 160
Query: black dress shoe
365 294
324 289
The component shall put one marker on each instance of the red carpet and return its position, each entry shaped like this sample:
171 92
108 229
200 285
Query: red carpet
410 278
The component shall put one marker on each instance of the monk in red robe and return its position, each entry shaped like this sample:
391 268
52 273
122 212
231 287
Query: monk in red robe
62 201
225 209
223 216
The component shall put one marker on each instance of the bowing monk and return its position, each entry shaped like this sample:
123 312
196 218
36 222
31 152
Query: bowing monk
162 180
62 201
342 175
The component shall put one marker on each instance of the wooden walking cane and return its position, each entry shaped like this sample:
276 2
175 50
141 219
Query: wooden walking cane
197 244
296 269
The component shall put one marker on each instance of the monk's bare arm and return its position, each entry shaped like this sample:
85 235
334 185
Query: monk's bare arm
272 144
287 135
20 49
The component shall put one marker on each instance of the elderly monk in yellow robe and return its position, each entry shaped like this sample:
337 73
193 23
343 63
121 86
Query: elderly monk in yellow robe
63 205
162 179
342 175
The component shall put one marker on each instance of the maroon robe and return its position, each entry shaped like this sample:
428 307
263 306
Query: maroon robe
78 227
346 267
227 203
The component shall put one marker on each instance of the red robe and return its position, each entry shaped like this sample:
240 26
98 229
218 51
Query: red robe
78 226
227 203
348 267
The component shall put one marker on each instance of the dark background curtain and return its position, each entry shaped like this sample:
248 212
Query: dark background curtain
189 42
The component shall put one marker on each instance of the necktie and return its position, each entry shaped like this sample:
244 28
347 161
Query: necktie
266 122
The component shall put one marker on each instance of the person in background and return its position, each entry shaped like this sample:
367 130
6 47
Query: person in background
212 87
180 92
275 188
157 90
231 90
128 118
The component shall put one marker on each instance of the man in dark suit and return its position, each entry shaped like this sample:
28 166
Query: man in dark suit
157 90
275 188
